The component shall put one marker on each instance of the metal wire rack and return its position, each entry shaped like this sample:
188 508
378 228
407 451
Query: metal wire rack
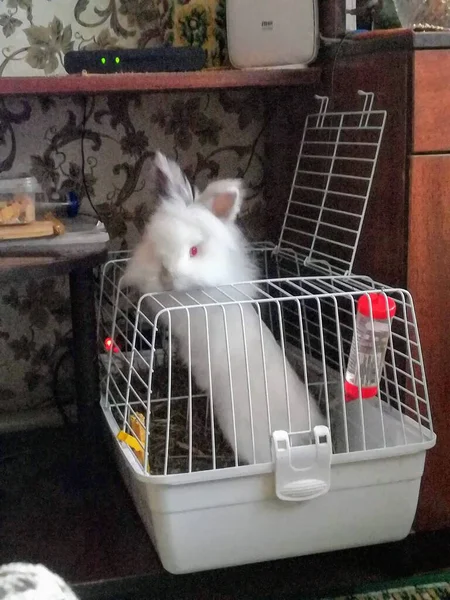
306 300
312 320
329 194
330 189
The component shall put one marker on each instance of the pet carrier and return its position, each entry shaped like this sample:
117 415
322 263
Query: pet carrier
277 458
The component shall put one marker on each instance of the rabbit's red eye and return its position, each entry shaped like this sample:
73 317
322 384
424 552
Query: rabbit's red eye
193 251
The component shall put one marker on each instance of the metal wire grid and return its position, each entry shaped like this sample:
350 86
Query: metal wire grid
107 310
331 186
327 193
281 265
312 318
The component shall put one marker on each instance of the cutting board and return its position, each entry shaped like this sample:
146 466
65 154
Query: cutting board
30 230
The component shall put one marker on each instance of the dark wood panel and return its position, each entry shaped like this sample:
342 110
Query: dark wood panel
429 283
135 82
431 123
383 243
286 111
332 18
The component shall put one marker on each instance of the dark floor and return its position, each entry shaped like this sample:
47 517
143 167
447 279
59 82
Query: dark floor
81 523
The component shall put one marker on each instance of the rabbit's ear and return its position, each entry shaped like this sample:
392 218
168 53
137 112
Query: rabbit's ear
223 198
170 182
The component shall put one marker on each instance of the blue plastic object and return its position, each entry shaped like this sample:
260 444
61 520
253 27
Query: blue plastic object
73 204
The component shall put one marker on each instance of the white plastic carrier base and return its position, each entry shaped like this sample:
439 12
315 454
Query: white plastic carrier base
225 519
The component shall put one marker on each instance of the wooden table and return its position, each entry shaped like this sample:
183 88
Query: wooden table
18 264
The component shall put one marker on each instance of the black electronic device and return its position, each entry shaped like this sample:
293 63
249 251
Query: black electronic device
148 60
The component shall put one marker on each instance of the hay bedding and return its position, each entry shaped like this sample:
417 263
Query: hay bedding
180 432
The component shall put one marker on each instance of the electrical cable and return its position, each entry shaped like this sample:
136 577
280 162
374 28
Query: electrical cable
83 158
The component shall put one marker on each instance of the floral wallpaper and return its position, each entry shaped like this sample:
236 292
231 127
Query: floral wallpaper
35 34
218 134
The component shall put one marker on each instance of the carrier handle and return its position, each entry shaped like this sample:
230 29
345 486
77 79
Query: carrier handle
302 472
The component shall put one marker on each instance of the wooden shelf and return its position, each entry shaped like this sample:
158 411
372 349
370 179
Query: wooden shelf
146 82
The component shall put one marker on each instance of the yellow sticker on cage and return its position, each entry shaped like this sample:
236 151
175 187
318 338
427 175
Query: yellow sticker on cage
139 431
137 426
122 436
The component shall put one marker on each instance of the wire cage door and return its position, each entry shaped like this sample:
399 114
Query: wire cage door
327 203
330 189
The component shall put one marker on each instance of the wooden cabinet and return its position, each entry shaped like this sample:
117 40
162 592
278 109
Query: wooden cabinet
431 101
406 236
429 283
382 248
428 259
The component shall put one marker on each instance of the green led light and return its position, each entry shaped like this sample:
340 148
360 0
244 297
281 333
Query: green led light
117 59
103 60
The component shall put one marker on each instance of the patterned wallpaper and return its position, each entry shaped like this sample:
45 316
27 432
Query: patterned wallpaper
35 34
219 134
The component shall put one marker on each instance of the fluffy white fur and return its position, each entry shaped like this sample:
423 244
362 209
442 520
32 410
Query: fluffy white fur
162 260
239 342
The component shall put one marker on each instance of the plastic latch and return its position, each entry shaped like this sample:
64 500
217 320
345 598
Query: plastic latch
302 472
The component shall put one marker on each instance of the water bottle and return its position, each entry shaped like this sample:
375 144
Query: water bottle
368 427
375 312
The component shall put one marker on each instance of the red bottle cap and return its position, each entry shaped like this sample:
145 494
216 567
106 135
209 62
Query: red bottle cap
352 391
377 305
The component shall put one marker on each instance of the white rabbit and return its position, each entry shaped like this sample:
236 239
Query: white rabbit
190 246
